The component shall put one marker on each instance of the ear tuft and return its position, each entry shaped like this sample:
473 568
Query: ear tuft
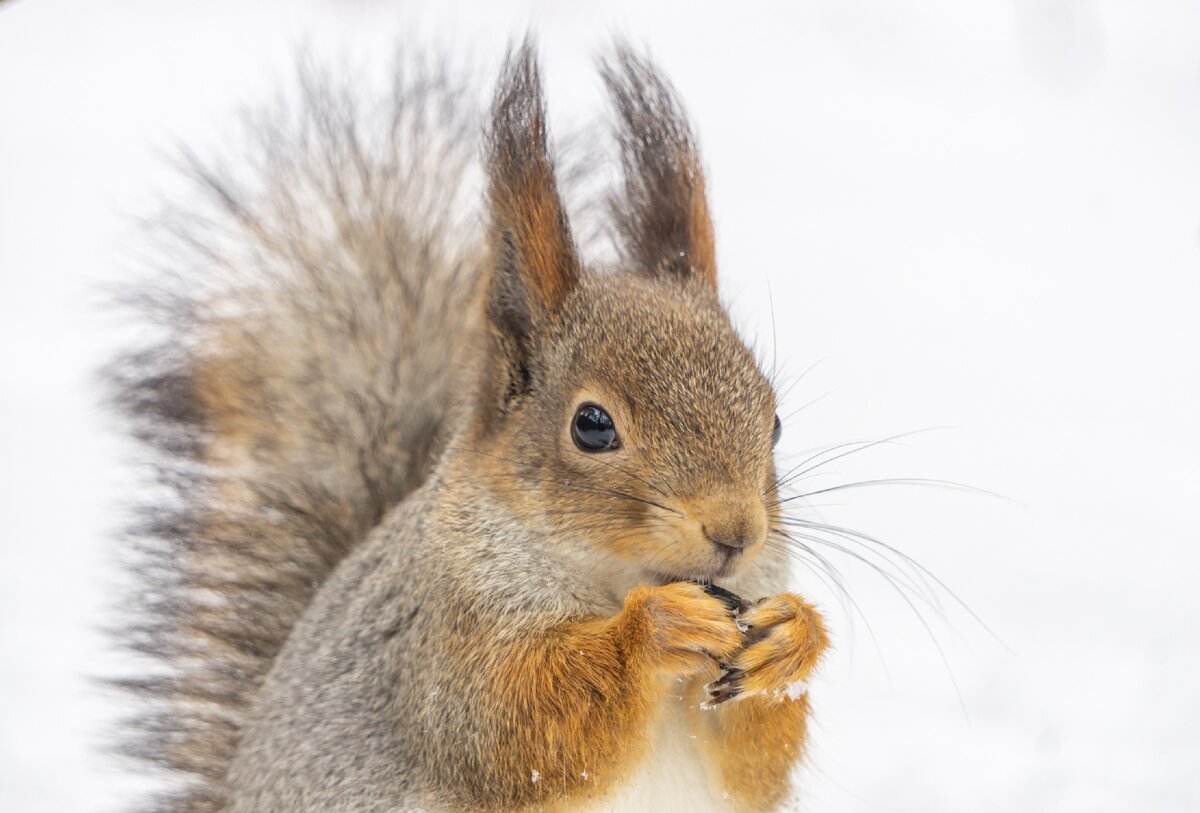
530 232
662 216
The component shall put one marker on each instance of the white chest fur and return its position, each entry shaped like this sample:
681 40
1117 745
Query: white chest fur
671 779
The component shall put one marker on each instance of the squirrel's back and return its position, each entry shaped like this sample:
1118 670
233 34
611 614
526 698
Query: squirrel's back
318 331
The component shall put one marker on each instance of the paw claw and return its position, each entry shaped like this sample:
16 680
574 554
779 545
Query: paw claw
727 677
722 695
784 642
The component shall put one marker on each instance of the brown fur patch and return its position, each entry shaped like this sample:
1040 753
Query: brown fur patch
662 214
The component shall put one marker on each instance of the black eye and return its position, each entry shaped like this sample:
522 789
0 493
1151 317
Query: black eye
593 429
776 432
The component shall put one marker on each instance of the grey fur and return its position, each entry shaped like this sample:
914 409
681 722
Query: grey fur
327 280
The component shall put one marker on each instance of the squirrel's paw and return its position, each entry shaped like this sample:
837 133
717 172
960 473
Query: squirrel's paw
680 627
785 639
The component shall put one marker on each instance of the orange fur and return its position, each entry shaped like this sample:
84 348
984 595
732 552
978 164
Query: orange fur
752 742
575 702
793 639
537 222
703 244
751 746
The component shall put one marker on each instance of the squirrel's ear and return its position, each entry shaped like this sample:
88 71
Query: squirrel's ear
535 255
661 217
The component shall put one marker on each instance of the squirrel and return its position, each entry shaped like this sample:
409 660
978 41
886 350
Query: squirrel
459 522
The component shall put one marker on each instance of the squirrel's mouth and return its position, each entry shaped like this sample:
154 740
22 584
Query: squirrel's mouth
729 598
704 578
659 578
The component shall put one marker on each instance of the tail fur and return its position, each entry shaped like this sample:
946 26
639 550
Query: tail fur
318 332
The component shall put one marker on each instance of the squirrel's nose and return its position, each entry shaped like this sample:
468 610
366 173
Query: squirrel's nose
726 540
731 522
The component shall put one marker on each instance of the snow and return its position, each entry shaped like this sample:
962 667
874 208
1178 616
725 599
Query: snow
979 216
793 691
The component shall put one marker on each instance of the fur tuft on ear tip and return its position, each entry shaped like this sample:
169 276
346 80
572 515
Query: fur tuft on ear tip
530 230
661 212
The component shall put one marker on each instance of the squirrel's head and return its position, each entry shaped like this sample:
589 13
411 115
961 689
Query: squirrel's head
622 410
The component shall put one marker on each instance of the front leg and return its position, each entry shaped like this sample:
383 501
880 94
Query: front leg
562 713
753 719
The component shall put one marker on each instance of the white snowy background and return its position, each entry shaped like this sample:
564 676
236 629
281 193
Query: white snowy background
980 218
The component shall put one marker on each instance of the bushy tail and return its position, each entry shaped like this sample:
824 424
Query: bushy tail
318 330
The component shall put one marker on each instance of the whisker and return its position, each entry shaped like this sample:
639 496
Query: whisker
849 605
793 413
861 446
923 572
899 580
899 481
904 596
